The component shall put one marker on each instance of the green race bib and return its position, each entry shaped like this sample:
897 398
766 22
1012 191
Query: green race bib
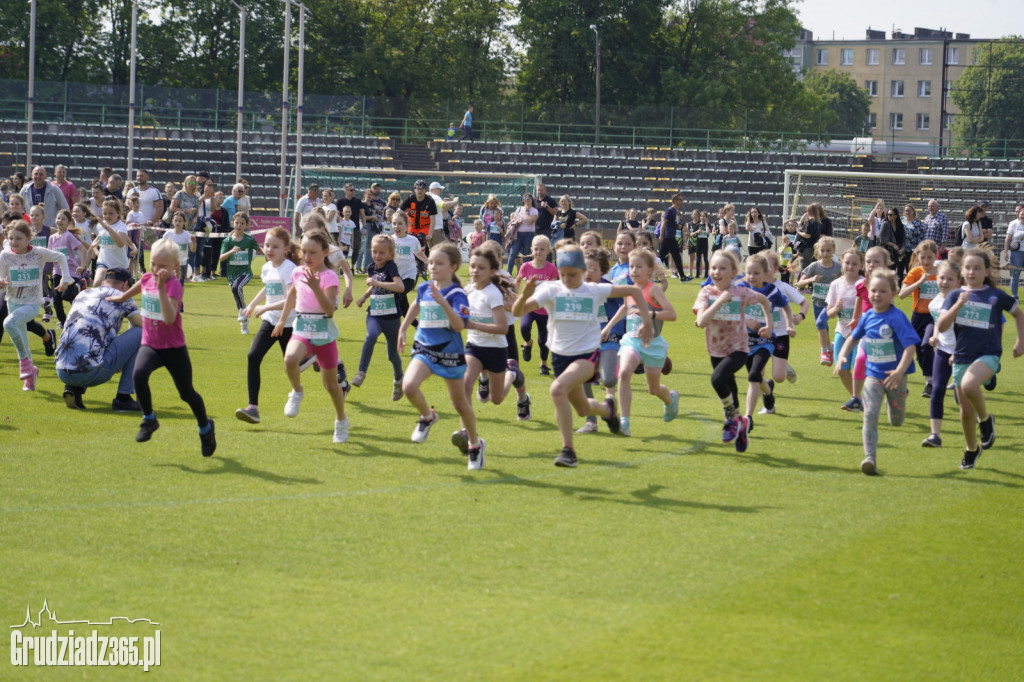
975 314
577 308
38 241
432 315
315 328
150 307
729 312
929 290
107 241
240 258
820 290
274 291
24 276
384 304
846 315
879 351
403 251
63 250
755 313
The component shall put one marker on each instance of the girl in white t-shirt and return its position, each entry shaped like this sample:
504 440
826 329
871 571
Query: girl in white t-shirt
185 240
282 259
347 227
407 250
944 343
575 339
112 241
331 211
841 301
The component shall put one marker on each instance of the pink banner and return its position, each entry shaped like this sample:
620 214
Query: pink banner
260 225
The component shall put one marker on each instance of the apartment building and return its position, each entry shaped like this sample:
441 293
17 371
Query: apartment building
908 76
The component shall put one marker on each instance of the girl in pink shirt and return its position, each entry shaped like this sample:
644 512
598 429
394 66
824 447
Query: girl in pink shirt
70 241
720 313
163 342
543 271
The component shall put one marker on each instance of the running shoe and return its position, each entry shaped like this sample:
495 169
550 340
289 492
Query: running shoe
146 429
588 427
30 379
988 432
527 352
358 378
396 389
291 407
742 441
612 420
790 373
50 343
869 467
476 456
483 389
250 414
624 427
545 371
932 441
523 410
567 458
970 458
73 398
341 430
826 358
852 405
730 429
419 434
672 409
208 440
460 439
127 405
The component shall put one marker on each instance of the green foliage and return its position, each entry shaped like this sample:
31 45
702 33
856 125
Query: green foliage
845 104
990 95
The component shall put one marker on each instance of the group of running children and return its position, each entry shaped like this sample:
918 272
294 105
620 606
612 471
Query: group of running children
600 322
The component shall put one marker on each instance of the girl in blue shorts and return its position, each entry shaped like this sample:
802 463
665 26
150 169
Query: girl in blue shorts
976 314
632 351
442 308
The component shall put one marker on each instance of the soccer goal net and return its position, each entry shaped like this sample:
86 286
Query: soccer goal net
849 198
472 189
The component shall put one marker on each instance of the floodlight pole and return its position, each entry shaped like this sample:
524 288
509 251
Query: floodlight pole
298 111
284 106
131 89
241 87
31 84
597 98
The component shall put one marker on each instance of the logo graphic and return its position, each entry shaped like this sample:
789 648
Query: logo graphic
70 649
885 331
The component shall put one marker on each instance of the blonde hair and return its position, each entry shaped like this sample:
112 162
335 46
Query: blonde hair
730 255
646 255
542 241
165 248
886 274
823 242
386 240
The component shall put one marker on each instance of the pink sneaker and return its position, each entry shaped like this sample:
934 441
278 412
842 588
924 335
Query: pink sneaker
30 380
827 358
730 429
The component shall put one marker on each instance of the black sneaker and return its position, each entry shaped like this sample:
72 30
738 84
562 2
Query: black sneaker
527 352
523 410
73 398
50 343
769 398
545 371
460 439
970 458
988 432
146 429
612 420
125 405
927 392
567 458
932 441
990 385
209 440
483 390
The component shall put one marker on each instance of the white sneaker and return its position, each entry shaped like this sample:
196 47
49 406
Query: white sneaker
291 408
419 434
588 427
307 362
358 379
476 456
242 317
341 430
790 374
245 327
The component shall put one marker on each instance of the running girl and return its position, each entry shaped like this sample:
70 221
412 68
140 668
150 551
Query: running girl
544 272
721 312
69 241
633 352
576 340
442 308
163 342
21 274
819 275
239 249
282 258
112 241
383 287
186 242
876 258
841 303
407 250
975 312
921 283
761 347
781 332
944 345
889 343
598 266
314 297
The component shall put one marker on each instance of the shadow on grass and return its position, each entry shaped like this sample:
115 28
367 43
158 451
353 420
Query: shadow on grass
968 477
774 462
234 467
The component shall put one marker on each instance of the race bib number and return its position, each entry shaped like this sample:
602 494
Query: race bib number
732 243
107 241
313 328
432 315
150 307
729 312
929 290
183 252
632 324
574 308
274 291
975 314
346 232
846 315
403 251
755 313
38 241
879 351
239 258
494 228
63 250
24 276
777 323
819 290
383 304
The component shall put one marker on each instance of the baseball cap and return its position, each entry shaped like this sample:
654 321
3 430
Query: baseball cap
436 185
118 274
419 184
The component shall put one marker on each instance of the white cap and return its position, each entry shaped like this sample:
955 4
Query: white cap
436 185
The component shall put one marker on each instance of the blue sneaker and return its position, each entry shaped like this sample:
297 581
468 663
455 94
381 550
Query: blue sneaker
741 437
730 429
852 405
672 409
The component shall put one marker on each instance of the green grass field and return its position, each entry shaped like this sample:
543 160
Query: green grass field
664 556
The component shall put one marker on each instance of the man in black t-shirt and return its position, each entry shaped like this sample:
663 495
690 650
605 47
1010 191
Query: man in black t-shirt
546 210
670 223
358 217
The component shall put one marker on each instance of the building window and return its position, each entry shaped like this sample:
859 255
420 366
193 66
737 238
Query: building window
896 121
948 122
872 88
873 56
897 89
872 121
846 57
923 121
925 56
899 56
924 88
822 58
952 55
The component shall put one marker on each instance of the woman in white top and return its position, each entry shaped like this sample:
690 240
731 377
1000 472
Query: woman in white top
524 221
759 236
1014 245
971 227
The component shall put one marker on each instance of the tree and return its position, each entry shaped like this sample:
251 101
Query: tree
990 96
845 104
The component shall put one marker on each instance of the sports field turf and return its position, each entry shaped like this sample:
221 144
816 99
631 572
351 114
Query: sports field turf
664 556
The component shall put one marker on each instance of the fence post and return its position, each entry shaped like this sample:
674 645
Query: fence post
522 120
216 108
362 117
671 125
65 101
